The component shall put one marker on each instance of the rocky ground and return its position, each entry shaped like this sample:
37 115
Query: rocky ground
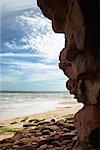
47 135
53 135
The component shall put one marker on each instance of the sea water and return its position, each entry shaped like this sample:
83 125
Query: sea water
15 104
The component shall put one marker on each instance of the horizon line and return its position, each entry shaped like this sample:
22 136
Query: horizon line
32 91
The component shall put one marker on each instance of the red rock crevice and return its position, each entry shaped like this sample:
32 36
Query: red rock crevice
79 20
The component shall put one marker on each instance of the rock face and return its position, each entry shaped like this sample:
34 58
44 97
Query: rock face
79 20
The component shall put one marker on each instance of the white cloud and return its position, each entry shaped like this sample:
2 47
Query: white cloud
39 36
16 5
14 46
7 79
10 54
34 72
29 65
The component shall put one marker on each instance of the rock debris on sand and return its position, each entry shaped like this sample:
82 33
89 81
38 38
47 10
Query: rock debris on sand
53 135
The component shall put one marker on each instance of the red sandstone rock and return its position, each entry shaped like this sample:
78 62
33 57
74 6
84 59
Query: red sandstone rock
80 59
86 120
51 10
92 89
29 138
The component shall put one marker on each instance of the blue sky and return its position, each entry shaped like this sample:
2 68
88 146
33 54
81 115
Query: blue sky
29 53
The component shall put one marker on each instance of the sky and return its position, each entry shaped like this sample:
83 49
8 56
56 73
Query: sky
29 53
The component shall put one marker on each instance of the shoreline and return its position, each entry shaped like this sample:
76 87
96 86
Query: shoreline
9 126
62 105
31 108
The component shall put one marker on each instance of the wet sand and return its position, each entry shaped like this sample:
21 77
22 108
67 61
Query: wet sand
8 127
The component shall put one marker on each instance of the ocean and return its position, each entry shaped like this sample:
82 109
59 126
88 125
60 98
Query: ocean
15 104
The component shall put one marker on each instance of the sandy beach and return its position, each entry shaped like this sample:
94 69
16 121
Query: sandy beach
8 127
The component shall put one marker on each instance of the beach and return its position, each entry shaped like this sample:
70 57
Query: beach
53 129
18 104
36 121
9 127
17 109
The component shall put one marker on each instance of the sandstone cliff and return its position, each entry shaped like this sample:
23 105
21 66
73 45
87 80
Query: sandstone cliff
79 20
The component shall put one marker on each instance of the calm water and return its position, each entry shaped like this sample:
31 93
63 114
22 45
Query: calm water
13 104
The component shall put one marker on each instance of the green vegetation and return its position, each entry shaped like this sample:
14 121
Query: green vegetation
5 129
36 120
70 115
14 122
23 120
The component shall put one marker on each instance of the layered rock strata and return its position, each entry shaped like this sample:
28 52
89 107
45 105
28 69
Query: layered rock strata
79 20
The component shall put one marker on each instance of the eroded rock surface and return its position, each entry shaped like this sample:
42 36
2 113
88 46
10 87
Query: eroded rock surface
79 20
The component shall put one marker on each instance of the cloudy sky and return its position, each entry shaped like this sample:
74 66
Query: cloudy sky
29 53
